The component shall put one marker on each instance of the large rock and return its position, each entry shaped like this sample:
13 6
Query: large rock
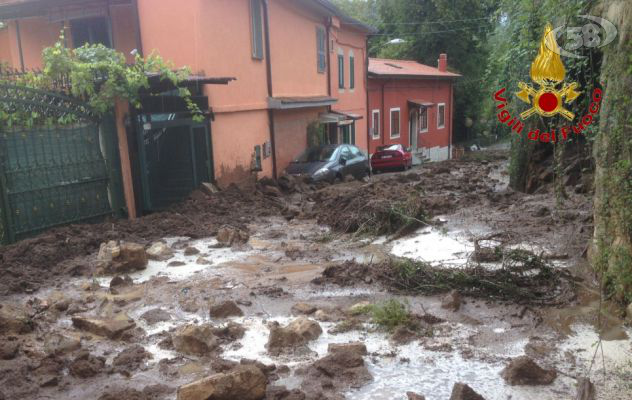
296 333
110 328
225 309
130 359
524 371
628 312
85 365
197 340
9 349
14 320
339 370
159 251
228 235
116 258
303 309
461 391
245 382
353 347
451 301
58 344
230 332
155 316
414 396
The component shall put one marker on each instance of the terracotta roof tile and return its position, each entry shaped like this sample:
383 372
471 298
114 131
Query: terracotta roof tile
387 67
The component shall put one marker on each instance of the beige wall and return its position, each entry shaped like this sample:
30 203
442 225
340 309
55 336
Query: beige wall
294 52
349 41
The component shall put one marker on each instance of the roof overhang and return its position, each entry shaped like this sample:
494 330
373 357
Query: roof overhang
338 117
288 103
421 103
157 84
373 75
53 9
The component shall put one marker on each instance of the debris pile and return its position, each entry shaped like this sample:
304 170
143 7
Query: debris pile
523 278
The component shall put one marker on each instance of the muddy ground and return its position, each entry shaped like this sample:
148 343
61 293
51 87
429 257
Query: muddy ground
223 302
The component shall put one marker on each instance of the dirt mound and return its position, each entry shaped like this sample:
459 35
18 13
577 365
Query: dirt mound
376 208
61 252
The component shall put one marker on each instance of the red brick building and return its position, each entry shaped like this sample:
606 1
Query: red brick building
411 104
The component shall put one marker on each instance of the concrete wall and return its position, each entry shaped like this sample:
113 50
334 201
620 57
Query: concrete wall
396 94
350 42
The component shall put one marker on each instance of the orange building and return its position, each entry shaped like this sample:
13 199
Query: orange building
296 63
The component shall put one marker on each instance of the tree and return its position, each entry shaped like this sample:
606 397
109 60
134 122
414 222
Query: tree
429 28
612 251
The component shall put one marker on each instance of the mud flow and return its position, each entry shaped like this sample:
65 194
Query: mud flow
438 283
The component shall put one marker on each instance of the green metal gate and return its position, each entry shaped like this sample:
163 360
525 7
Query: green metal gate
175 157
54 175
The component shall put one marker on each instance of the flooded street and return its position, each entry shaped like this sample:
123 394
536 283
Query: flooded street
278 275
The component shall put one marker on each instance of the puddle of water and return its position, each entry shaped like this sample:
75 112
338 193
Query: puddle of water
430 373
217 256
583 343
435 247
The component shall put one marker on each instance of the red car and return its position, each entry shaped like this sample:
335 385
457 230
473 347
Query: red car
394 156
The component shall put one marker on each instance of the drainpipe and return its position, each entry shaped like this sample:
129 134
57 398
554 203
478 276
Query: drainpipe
17 32
139 41
328 50
451 121
383 114
366 91
266 29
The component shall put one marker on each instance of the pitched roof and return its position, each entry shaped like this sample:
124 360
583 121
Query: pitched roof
405 68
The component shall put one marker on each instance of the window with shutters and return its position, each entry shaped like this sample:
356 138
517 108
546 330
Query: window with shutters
441 115
256 29
394 123
423 120
351 72
375 124
321 51
341 71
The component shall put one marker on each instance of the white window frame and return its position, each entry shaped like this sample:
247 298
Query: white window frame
256 42
341 69
376 129
438 111
399 122
321 39
351 71
419 122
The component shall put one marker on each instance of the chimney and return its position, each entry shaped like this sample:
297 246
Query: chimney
443 62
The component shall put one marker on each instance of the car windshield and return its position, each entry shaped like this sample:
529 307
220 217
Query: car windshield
391 147
312 154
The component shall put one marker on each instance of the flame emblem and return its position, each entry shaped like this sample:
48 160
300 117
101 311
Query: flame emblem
547 71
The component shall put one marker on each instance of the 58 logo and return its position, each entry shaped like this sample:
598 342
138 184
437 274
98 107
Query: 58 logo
598 32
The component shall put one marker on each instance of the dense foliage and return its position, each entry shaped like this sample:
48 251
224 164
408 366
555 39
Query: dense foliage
96 75
428 28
